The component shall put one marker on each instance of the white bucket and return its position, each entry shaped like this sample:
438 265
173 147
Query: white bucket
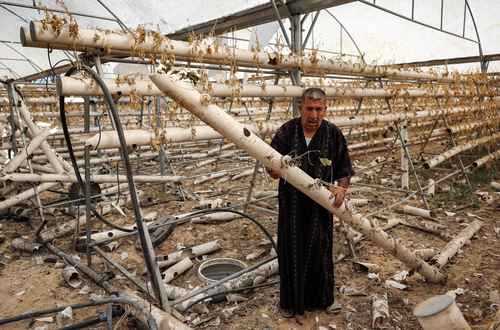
439 313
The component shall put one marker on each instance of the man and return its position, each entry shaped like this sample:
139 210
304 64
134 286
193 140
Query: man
305 229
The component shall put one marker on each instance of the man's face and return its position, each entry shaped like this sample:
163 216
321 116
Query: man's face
312 112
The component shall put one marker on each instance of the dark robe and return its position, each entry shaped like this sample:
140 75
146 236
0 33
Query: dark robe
305 229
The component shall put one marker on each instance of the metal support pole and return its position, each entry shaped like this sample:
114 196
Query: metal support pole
141 285
296 31
13 117
141 114
309 32
405 178
410 162
162 154
358 108
283 30
406 152
88 206
93 109
55 10
86 114
427 139
150 120
88 229
453 143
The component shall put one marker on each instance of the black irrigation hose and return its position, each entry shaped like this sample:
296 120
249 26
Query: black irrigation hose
116 300
207 211
72 157
151 265
33 314
261 227
101 317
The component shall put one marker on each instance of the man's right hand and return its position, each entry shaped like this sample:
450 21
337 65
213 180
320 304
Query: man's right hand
338 193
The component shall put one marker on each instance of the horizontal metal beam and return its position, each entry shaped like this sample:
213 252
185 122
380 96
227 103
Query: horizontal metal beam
412 19
13 59
10 42
255 16
42 74
42 8
449 61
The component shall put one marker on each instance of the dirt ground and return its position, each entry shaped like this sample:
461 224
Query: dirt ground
27 282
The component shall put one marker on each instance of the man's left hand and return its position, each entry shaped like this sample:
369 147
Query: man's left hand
338 193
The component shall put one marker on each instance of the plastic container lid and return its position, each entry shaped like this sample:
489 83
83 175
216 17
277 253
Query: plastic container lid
433 305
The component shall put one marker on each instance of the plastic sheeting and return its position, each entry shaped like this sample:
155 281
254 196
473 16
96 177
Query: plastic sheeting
167 16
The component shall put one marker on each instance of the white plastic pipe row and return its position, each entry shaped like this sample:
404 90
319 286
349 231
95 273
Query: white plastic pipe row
109 139
245 139
142 86
117 41
458 149
373 119
28 177
35 100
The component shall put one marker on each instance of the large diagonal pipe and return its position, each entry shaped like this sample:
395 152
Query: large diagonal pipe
251 143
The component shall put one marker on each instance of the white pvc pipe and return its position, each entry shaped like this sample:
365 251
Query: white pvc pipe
182 266
136 84
195 251
154 44
34 100
458 149
243 174
253 145
417 211
55 162
23 155
456 243
215 217
488 158
109 139
27 194
210 177
28 177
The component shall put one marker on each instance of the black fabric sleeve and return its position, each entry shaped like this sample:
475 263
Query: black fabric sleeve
342 163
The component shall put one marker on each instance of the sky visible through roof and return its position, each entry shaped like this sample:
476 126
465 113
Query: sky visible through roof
382 37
